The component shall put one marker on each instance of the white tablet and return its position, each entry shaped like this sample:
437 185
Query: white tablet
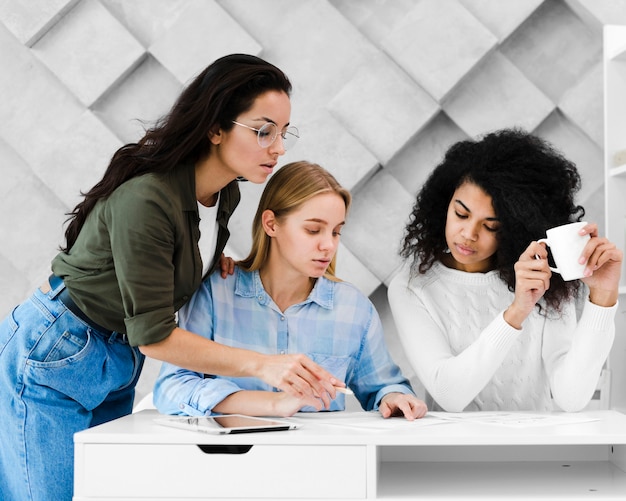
228 423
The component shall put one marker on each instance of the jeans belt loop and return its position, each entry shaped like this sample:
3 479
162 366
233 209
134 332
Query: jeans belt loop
54 281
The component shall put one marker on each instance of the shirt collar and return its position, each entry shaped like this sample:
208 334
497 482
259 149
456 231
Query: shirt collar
229 199
248 284
184 181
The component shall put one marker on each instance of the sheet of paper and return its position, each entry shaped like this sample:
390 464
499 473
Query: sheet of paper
374 421
363 420
514 419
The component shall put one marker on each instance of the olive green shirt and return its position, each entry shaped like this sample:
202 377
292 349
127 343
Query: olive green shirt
136 260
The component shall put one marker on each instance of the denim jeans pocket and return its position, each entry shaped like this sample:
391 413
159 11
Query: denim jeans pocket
58 347
68 360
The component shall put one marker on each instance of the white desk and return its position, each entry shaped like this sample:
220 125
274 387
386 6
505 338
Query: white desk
339 456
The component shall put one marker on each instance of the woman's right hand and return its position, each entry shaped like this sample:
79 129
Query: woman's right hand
299 376
532 280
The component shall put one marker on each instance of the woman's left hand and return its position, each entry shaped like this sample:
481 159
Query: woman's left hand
401 404
227 265
604 267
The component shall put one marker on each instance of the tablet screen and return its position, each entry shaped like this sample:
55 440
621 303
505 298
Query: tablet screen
238 422
231 423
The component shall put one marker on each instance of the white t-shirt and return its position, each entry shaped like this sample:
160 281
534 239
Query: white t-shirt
208 233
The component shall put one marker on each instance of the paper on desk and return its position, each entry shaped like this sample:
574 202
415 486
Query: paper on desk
363 420
514 419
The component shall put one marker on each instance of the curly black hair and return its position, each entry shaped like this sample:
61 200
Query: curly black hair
532 187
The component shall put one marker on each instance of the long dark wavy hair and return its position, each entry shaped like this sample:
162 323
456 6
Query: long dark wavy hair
532 187
218 95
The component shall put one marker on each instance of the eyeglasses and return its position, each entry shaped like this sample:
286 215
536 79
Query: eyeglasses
267 134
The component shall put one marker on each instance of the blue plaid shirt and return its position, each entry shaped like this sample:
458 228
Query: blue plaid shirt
336 326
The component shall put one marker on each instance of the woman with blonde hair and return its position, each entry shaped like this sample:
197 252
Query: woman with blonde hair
284 299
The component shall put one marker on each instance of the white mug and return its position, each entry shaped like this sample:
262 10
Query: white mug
567 245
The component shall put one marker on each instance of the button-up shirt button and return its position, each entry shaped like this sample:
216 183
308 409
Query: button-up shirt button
181 406
282 318
282 352
260 298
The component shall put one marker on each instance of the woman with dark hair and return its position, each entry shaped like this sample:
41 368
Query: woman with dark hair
484 322
285 297
137 248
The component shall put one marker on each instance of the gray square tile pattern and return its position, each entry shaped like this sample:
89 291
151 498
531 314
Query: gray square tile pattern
381 89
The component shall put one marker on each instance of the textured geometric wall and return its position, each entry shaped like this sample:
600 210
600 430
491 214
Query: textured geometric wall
381 89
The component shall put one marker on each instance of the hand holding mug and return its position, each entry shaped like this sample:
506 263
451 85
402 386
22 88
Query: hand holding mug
532 280
603 267
595 260
566 244
579 253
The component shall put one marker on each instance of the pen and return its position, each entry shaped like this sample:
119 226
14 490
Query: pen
345 391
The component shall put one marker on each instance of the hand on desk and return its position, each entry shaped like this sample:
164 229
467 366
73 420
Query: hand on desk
400 404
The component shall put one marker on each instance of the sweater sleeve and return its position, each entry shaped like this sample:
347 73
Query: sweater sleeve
575 352
453 380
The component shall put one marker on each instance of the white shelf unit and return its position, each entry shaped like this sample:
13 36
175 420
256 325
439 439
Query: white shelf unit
615 136
614 62
355 456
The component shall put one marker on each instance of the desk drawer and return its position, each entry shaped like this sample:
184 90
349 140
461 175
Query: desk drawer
183 471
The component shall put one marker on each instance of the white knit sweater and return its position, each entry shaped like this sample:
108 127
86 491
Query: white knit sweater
468 357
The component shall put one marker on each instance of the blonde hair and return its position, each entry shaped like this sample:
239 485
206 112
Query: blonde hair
290 187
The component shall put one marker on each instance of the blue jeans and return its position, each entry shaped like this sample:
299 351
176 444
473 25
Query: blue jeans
57 376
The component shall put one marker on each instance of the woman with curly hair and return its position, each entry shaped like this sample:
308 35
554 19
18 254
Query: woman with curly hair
484 322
